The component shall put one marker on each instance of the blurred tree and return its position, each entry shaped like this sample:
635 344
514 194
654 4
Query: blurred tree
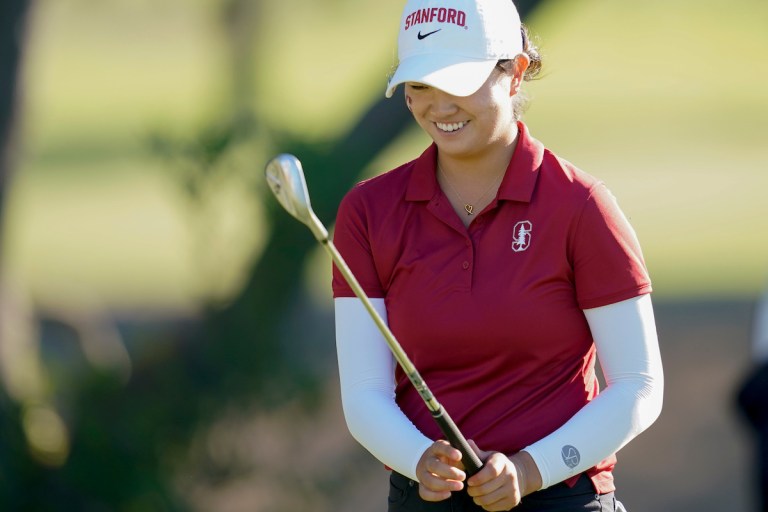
24 407
239 19
13 23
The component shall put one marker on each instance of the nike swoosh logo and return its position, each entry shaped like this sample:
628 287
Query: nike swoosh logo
424 36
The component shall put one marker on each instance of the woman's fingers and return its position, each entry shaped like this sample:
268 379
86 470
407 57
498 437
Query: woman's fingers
438 472
496 486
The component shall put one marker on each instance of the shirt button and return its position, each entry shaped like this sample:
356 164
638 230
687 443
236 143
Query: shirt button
465 265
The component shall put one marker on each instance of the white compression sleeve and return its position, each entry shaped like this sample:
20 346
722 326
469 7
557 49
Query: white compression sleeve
366 372
628 352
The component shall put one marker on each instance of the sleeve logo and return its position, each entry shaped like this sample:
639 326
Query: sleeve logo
571 456
522 235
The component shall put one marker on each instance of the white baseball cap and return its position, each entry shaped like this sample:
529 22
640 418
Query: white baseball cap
454 45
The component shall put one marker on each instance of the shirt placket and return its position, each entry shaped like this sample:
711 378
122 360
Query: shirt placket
473 234
443 211
467 262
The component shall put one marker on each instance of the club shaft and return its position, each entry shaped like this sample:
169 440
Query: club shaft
402 358
453 435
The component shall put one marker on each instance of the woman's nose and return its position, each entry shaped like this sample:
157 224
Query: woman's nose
443 104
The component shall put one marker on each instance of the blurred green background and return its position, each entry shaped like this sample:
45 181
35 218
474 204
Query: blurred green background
167 336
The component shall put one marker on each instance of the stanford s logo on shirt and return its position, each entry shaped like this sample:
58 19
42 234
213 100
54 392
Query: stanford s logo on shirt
522 235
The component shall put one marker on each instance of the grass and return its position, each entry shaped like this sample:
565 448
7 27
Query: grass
110 236
662 100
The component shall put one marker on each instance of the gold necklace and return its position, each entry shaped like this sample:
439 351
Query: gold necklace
469 207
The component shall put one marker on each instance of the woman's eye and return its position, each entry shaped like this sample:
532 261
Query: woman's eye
418 87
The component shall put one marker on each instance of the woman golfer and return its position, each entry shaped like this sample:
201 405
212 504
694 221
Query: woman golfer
505 272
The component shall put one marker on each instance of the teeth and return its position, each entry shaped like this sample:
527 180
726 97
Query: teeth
450 127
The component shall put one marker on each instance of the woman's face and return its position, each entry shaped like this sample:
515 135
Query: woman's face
465 127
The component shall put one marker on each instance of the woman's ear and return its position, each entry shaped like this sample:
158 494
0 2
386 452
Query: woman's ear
408 102
519 66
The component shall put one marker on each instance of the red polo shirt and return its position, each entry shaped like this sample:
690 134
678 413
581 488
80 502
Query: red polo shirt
491 314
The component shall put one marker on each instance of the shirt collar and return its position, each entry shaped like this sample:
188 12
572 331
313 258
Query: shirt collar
517 185
523 170
423 183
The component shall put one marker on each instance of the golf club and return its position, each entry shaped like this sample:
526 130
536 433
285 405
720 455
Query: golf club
286 180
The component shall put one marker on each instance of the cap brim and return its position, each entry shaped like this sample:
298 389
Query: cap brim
444 72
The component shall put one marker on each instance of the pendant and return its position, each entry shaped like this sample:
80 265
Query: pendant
468 207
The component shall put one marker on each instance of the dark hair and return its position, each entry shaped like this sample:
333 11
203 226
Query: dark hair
532 73
530 49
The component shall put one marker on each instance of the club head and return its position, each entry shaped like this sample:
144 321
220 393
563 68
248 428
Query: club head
285 178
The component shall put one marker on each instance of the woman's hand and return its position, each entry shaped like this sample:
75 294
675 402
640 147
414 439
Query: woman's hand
503 481
440 472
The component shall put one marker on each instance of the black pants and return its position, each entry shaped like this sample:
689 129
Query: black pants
404 497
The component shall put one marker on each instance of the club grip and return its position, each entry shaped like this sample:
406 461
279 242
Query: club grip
472 463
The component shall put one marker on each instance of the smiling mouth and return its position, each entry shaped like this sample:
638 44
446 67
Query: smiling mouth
451 127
